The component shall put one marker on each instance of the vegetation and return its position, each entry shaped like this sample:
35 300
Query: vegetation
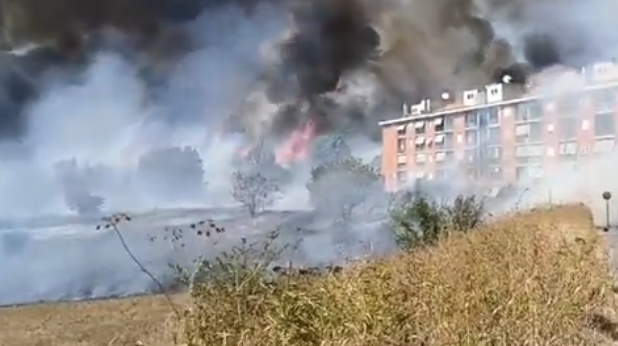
538 278
77 183
510 283
258 180
418 220
254 190
340 186
261 157
157 168
328 149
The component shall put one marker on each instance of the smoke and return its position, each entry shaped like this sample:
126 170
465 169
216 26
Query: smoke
111 81
311 64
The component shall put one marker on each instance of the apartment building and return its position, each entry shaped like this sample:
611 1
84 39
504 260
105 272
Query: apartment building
505 132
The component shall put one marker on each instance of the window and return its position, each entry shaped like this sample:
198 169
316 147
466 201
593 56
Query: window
567 149
536 171
494 153
472 120
420 143
529 153
531 132
536 150
605 100
522 132
569 105
444 158
419 127
493 116
402 160
401 145
439 124
449 156
536 132
605 124
488 116
494 135
471 138
402 177
568 128
401 130
421 158
529 111
449 123
471 155
603 146
449 140
494 173
438 142
524 172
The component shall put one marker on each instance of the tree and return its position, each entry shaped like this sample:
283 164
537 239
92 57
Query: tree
77 186
261 157
328 149
172 173
341 186
254 190
257 181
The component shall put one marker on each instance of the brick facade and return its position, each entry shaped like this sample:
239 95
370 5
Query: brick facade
504 136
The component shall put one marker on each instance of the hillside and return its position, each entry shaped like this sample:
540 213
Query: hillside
538 276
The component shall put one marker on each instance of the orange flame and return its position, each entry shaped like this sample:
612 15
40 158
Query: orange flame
243 151
296 147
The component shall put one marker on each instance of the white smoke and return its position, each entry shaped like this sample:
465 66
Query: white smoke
108 117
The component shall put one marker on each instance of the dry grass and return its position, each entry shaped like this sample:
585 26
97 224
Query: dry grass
106 322
536 279
539 278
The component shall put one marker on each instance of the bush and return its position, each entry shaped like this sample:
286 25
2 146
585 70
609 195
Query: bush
512 283
465 213
339 187
417 220
227 290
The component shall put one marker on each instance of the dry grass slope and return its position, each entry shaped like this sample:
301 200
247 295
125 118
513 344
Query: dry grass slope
539 278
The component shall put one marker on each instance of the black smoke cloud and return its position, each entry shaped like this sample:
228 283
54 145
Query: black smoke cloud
406 50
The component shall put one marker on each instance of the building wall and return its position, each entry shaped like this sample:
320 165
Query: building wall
497 145
389 156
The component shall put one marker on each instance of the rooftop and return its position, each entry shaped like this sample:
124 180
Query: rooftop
553 81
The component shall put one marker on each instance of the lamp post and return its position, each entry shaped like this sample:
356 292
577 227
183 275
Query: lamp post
607 196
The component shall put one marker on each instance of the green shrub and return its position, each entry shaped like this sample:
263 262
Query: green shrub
420 220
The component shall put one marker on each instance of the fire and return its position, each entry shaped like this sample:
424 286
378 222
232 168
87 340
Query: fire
243 151
296 147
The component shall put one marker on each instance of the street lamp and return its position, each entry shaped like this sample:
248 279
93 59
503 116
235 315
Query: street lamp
607 196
